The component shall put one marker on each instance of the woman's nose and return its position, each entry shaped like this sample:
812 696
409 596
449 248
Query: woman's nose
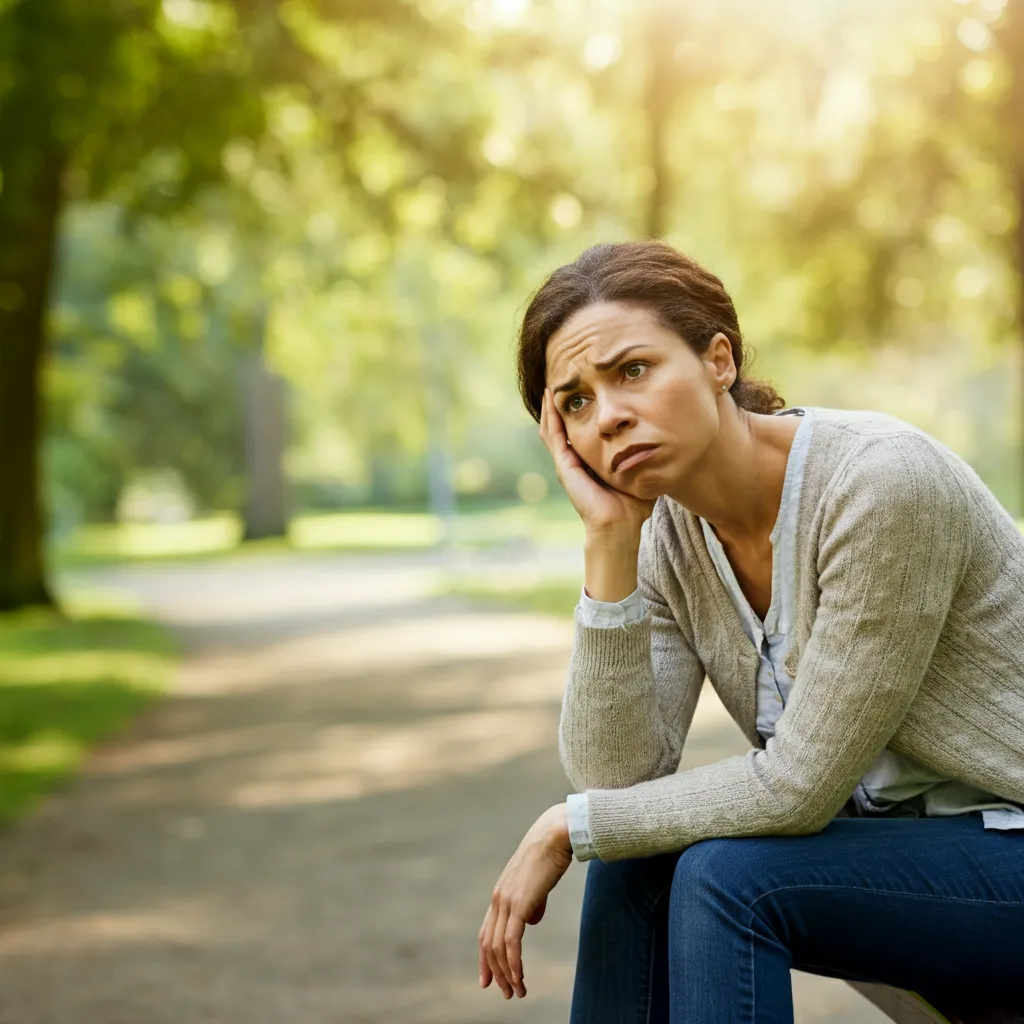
613 417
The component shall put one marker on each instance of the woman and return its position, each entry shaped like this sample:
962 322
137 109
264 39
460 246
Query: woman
855 595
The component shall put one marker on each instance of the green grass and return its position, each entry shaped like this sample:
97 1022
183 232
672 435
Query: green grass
550 597
374 530
551 522
364 531
65 683
110 543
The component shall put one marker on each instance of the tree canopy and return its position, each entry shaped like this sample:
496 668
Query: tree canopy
367 192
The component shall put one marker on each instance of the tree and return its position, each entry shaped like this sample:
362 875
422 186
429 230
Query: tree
146 102
92 91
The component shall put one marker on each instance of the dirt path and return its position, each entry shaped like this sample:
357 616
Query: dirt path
308 829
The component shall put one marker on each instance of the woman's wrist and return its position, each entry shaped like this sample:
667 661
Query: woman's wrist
553 827
610 565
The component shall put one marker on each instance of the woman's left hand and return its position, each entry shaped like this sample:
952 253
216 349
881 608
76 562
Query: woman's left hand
520 898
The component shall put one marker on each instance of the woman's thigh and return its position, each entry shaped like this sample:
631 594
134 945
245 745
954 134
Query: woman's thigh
931 904
622 958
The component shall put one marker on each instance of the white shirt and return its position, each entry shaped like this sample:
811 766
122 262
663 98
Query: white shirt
892 778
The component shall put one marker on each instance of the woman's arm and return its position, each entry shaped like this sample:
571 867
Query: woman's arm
631 690
895 540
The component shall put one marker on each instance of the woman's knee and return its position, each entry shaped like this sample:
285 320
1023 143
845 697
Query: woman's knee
730 868
636 884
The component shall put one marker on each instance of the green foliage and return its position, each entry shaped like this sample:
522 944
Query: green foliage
147 368
348 196
382 185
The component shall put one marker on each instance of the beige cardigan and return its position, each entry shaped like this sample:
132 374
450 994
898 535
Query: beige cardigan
907 634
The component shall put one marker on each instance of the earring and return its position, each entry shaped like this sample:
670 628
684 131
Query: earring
725 387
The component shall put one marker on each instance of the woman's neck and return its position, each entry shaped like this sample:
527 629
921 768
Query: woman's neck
737 484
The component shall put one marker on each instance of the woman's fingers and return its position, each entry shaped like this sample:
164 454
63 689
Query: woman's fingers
488 947
557 425
485 968
545 419
550 422
498 949
545 429
556 439
514 950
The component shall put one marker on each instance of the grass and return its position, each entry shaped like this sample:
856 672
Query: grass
105 543
65 683
359 531
550 597
549 523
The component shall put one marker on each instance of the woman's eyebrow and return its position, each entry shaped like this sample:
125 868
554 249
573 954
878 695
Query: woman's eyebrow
604 364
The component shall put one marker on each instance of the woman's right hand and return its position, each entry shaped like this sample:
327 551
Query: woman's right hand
603 509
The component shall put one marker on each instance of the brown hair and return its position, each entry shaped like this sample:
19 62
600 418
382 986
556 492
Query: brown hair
682 295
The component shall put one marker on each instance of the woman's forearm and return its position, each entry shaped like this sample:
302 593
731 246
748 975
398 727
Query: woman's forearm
610 565
613 730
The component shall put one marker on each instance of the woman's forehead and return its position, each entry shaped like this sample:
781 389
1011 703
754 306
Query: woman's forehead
595 331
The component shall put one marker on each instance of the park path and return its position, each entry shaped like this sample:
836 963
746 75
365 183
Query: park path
308 828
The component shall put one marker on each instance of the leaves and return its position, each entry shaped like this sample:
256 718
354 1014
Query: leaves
368 175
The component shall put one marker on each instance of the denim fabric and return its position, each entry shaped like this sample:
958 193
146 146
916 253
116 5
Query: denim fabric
709 935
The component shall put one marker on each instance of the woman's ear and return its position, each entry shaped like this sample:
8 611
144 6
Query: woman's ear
718 357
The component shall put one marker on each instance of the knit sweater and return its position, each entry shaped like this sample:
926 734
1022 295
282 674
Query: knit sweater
905 636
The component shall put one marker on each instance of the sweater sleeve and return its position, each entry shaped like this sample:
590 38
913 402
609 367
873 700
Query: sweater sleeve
893 545
630 693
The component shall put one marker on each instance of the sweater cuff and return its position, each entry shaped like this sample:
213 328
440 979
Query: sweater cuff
622 655
607 614
578 815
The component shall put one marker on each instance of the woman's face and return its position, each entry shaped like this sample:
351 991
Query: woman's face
619 378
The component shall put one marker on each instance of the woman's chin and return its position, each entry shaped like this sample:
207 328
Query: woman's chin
644 489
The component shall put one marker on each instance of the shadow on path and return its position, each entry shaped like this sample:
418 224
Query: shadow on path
308 829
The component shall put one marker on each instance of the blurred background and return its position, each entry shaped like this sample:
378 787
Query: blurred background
261 268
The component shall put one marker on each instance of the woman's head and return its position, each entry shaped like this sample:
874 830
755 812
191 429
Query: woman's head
684 342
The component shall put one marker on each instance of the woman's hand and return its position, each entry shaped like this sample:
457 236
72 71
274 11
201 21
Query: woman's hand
602 508
520 898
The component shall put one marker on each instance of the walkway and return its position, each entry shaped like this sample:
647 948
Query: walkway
309 828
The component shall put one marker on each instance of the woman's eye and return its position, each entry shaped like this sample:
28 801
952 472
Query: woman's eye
569 406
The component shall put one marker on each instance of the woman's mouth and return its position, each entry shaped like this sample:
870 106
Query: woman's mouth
636 458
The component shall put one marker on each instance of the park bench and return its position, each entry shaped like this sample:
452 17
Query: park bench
909 1008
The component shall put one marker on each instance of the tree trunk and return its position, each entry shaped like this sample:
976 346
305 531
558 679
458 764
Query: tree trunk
30 205
264 432
263 418
439 476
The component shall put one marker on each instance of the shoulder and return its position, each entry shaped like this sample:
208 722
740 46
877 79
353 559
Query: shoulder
847 429
874 476
875 456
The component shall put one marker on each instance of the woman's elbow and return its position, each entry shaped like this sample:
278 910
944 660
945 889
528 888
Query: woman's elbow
801 816
585 771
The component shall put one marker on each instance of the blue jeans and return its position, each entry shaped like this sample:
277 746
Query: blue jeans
709 936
